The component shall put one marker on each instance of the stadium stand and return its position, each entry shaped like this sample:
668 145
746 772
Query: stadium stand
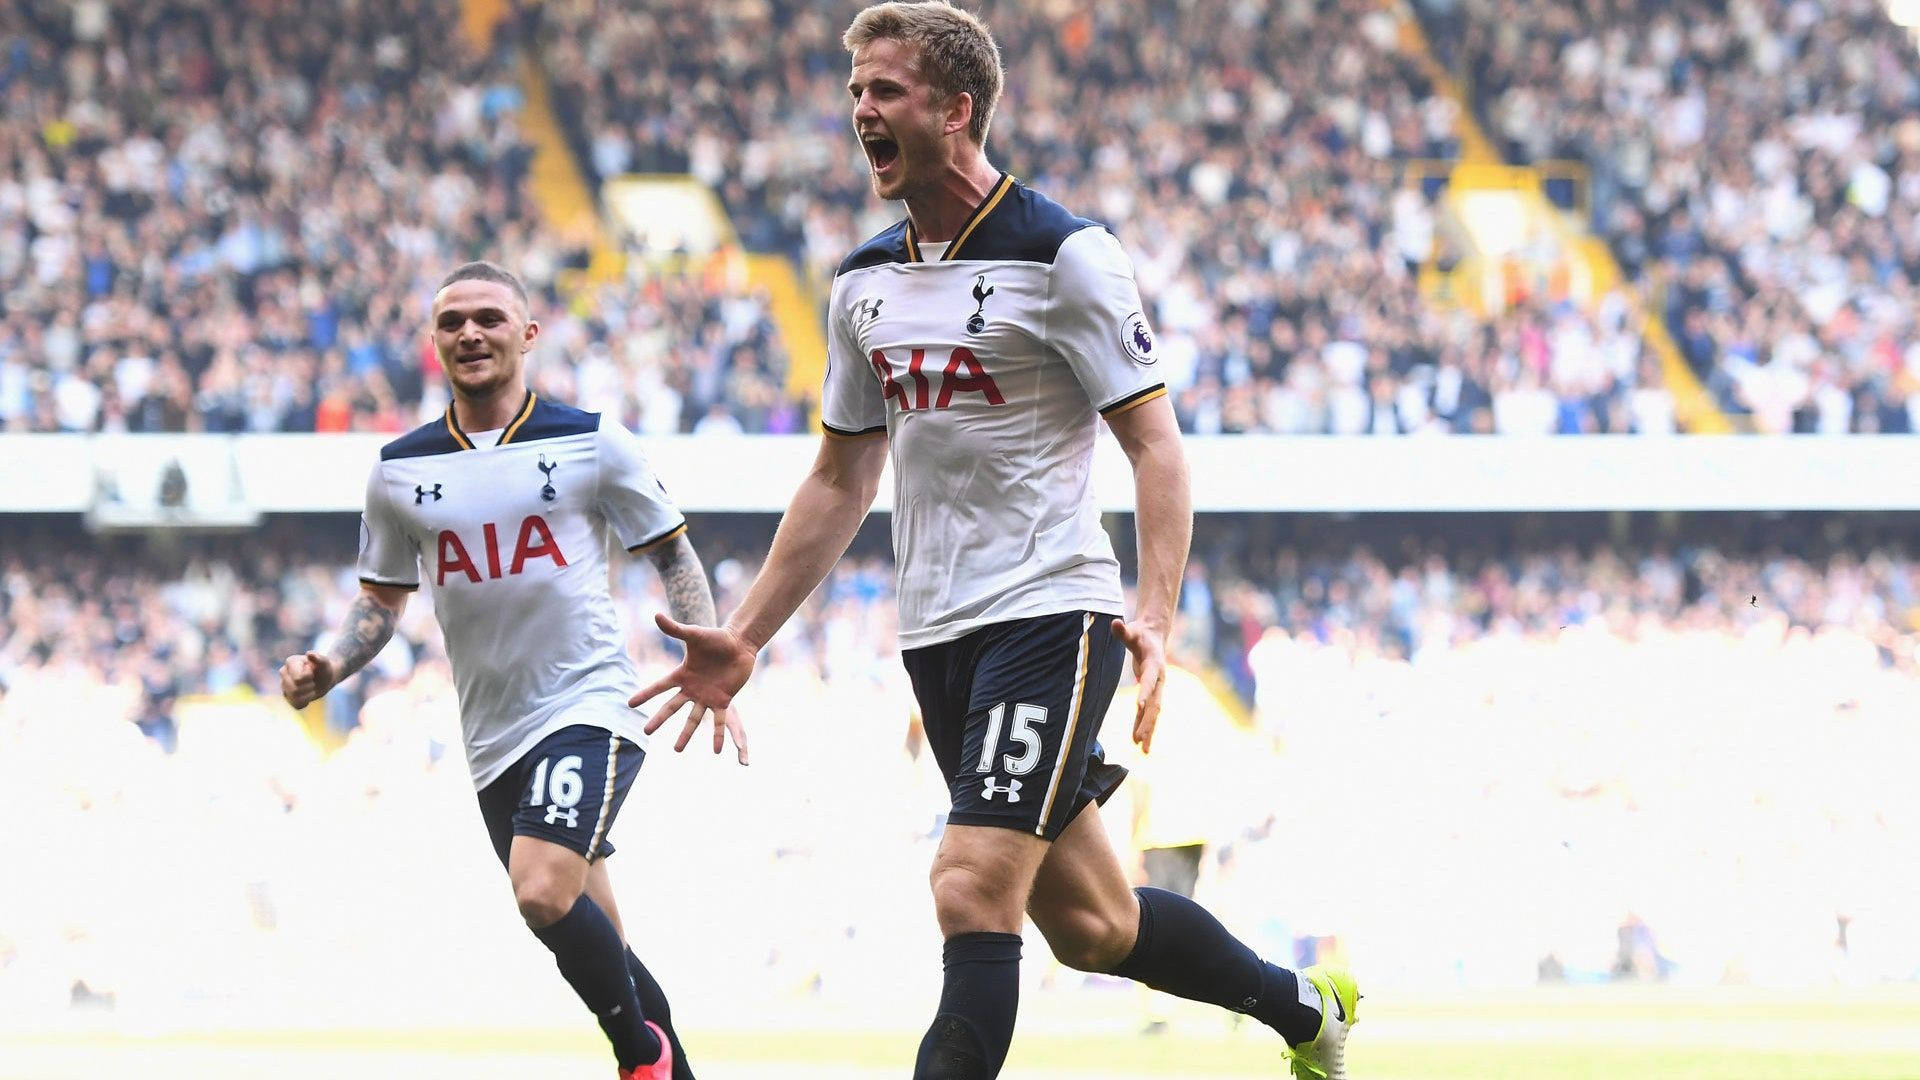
183 294
258 254
1260 180
1755 165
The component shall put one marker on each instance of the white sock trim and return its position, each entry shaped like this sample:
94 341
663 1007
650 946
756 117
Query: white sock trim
1310 994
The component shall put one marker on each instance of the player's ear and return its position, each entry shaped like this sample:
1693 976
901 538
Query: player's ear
959 113
532 331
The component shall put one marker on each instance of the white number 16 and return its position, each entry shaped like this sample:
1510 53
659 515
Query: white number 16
1024 717
565 782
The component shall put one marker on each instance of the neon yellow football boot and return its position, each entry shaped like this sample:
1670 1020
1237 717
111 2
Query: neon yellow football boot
1324 1057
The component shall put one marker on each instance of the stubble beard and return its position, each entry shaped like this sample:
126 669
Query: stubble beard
496 380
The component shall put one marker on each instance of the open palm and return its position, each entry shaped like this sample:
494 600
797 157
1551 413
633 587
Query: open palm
717 665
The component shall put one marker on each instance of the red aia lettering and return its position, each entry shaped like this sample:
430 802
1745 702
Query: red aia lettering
534 542
493 550
545 549
964 374
919 380
453 556
975 381
888 388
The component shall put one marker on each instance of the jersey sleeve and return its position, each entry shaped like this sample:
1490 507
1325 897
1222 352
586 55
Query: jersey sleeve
630 496
850 402
388 555
1095 320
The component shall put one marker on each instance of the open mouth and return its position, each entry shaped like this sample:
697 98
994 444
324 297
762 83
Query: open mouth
472 358
882 152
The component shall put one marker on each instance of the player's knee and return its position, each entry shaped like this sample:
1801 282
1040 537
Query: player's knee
1090 940
544 899
965 899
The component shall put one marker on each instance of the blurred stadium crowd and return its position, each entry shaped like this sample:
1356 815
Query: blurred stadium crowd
218 217
1482 715
1252 160
1755 165
257 254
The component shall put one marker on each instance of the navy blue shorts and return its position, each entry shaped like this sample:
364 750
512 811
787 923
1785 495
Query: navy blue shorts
567 789
1013 713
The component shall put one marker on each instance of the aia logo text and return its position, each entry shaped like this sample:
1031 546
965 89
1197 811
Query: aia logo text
535 541
913 387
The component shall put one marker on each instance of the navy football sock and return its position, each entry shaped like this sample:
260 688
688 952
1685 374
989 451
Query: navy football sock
590 955
974 1027
653 1005
1184 951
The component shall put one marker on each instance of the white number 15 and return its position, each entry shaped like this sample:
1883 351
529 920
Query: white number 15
1024 717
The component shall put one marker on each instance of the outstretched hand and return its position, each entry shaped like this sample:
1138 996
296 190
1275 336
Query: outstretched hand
1149 649
716 666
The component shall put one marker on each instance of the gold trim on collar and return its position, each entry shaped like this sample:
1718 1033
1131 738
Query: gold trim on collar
453 428
460 436
979 215
998 192
513 429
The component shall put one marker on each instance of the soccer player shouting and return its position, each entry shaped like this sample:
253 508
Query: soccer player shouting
980 338
507 503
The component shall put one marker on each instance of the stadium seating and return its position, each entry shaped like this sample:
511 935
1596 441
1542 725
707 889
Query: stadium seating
258 254
1256 174
1261 183
1756 166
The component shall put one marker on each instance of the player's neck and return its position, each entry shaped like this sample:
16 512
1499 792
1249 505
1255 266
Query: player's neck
938 213
489 412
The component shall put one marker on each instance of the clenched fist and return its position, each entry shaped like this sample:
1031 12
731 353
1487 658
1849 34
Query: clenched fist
306 679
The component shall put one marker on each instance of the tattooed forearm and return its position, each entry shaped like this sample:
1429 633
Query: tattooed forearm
368 628
689 600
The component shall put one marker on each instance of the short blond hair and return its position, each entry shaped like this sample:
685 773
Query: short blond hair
957 53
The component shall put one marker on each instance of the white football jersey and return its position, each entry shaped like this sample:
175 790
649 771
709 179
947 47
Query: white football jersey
512 539
986 362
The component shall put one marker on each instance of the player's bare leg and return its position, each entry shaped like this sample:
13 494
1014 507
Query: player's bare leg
600 888
1082 901
1094 921
653 1000
981 877
550 887
547 879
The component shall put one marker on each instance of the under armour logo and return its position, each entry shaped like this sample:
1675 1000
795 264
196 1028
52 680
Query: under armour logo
571 815
420 494
546 490
981 290
1011 789
868 309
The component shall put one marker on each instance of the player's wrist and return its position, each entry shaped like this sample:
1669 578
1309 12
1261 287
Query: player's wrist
1161 626
328 676
747 637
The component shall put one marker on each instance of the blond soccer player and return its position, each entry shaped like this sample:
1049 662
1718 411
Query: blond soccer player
981 340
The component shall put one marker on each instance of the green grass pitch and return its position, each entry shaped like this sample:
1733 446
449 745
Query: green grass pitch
1599 1034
